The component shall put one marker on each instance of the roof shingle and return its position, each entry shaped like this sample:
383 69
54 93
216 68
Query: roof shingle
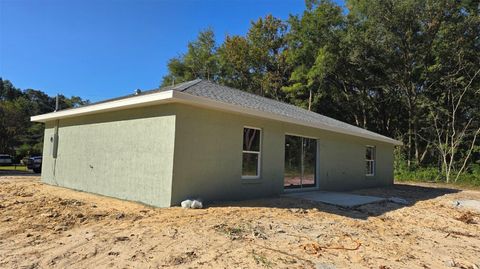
210 90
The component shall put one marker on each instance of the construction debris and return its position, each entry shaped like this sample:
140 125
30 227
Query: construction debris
195 204
186 204
469 204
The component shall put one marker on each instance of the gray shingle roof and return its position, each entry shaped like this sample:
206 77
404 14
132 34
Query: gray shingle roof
230 99
229 95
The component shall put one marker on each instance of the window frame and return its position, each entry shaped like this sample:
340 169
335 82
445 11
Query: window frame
259 153
372 161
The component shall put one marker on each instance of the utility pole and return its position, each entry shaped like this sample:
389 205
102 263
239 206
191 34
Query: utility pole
56 103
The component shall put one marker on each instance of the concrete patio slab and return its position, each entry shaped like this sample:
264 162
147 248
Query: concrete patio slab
342 199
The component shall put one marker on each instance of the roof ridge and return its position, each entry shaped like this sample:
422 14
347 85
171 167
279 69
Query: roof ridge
187 84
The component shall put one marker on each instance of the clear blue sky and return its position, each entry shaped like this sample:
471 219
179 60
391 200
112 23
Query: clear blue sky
108 48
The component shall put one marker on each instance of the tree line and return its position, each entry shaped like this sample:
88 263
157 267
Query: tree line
403 68
407 69
19 136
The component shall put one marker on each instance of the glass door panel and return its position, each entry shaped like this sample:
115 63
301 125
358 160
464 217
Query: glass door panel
309 162
293 162
300 162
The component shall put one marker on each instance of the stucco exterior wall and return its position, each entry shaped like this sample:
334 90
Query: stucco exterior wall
161 155
208 157
125 154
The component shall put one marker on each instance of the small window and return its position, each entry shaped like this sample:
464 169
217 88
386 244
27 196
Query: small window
370 160
251 153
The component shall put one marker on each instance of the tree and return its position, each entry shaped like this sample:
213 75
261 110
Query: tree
236 64
200 61
396 67
311 51
267 42
457 125
8 91
18 135
256 63
407 33
14 121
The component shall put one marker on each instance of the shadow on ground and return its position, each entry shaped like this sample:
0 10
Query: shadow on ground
411 193
17 173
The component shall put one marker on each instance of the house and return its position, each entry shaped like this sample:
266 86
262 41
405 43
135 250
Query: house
200 139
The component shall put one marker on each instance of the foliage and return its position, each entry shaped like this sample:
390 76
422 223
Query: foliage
14 168
403 68
256 63
431 173
200 61
19 136
406 69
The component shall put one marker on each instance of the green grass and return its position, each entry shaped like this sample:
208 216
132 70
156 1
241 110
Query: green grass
470 178
14 168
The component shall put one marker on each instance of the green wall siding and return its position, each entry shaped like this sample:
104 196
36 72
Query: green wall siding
208 157
126 154
161 155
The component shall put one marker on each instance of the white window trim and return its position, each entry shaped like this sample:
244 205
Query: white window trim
373 161
259 153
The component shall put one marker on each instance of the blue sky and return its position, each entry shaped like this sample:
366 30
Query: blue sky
108 48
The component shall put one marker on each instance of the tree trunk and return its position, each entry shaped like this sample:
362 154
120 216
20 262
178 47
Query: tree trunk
310 100
409 143
415 141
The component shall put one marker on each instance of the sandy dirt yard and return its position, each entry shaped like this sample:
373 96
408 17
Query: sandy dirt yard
44 226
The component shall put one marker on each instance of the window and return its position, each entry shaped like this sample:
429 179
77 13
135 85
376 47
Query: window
370 160
251 152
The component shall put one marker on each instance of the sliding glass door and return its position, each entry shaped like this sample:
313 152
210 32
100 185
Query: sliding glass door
300 162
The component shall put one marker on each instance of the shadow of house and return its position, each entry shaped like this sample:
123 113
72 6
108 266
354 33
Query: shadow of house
17 173
411 193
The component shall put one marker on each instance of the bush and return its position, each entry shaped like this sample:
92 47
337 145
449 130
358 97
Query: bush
471 177
427 174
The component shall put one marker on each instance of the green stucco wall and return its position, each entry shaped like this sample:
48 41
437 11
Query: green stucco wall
161 155
125 154
208 157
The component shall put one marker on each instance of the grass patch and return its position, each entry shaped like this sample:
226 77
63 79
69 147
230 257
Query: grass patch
231 232
469 179
14 168
262 260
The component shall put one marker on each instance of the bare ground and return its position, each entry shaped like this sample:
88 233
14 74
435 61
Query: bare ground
43 226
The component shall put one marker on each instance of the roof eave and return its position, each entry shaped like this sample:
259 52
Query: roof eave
135 101
206 102
181 97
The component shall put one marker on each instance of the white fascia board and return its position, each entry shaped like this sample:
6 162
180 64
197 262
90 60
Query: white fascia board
134 101
209 103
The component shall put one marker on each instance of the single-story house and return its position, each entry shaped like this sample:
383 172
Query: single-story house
199 139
